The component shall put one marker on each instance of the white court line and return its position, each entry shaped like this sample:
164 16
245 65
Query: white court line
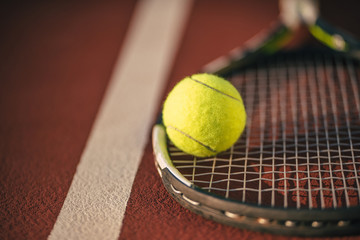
97 198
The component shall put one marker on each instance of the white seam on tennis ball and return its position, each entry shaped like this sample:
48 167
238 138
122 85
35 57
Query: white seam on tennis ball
217 90
192 138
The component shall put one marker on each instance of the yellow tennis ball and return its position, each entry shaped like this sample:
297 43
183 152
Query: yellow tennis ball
204 115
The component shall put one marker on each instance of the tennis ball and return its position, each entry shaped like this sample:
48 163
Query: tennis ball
204 115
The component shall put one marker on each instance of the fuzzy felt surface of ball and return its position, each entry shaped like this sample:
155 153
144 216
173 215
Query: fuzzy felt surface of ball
203 115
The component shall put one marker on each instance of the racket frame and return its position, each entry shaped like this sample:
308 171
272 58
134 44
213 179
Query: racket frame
290 221
284 221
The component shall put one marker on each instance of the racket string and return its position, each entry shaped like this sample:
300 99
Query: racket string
345 92
301 144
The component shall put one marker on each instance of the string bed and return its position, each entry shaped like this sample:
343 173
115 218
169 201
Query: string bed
301 145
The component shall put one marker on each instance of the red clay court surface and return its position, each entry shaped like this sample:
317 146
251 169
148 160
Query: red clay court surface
57 59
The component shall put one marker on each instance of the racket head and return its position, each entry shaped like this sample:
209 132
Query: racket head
295 169
267 163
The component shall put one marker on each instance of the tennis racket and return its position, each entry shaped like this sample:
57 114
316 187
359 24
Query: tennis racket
295 170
